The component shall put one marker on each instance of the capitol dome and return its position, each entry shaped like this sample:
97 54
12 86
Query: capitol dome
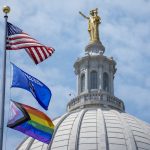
95 119
95 129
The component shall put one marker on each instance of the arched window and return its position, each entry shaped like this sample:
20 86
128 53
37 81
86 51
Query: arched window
105 82
82 82
93 80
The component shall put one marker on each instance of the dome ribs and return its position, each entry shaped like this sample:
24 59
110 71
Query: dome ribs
130 141
102 131
139 131
88 131
114 130
56 128
78 131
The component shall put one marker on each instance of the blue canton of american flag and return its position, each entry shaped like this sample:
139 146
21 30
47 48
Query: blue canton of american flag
17 39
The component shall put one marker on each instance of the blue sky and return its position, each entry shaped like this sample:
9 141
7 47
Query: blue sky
125 33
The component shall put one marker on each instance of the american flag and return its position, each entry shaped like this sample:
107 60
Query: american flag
17 39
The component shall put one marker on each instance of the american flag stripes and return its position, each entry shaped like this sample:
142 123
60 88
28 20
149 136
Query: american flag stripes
17 39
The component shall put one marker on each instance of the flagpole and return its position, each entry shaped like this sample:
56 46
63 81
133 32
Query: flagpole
6 10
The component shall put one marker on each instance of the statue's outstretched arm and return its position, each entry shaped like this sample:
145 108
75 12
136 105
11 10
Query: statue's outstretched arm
83 15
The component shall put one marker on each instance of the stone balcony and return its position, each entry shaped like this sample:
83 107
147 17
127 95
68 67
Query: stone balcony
95 99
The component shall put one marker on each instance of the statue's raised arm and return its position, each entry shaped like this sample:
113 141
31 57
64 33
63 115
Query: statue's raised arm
83 15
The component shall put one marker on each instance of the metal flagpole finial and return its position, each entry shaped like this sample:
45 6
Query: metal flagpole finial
6 9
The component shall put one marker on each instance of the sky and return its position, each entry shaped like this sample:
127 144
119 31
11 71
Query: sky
124 31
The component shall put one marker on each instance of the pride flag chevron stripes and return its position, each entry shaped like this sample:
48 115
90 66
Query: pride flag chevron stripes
31 122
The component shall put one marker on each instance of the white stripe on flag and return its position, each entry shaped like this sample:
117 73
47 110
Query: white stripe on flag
40 51
50 50
22 40
23 45
36 55
45 50
29 51
19 35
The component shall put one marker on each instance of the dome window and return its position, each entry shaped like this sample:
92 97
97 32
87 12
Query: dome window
93 80
82 82
105 82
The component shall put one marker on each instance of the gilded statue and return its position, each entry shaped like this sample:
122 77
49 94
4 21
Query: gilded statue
93 24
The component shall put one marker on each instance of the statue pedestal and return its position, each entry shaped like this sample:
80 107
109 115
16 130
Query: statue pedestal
95 47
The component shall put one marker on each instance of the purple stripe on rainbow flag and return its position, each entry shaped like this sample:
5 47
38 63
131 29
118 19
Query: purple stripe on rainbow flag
36 134
31 122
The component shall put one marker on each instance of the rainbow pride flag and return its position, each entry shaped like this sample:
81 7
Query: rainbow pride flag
31 122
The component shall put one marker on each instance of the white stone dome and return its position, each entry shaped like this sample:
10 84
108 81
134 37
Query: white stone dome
95 129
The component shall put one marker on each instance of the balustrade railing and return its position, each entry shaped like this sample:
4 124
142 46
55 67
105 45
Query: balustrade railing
93 98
